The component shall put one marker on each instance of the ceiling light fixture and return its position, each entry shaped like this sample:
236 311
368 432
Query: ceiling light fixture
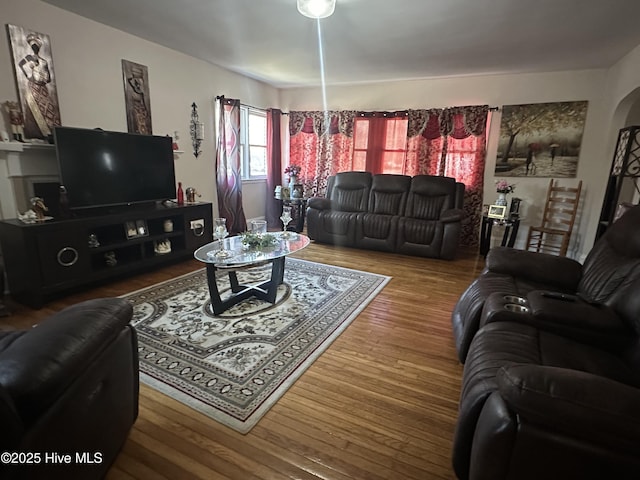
316 8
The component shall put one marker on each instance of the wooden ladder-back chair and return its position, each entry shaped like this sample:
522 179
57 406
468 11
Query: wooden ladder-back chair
557 220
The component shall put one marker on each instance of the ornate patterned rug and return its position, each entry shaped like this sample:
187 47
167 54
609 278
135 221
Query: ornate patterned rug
235 366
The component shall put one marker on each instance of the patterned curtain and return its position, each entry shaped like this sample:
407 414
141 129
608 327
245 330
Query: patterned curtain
452 142
228 178
274 167
322 145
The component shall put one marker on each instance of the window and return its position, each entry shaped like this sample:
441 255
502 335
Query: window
380 144
253 143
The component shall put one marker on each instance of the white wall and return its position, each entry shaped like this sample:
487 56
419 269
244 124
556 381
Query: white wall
495 90
87 61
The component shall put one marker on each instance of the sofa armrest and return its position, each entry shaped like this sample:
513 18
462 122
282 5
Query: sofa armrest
451 215
560 272
580 404
39 365
319 203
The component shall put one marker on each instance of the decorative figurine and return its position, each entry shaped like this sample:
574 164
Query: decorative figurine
191 195
16 119
38 206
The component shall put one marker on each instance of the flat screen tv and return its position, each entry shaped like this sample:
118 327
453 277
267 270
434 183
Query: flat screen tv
100 168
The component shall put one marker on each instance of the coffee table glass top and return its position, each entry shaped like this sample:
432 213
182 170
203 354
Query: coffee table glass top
240 255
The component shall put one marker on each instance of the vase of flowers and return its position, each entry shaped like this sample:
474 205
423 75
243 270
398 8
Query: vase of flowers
503 188
293 171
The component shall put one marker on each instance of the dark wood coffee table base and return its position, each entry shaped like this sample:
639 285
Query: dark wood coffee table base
266 290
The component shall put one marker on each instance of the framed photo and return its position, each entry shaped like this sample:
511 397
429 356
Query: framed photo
136 229
36 81
497 211
298 191
141 226
130 230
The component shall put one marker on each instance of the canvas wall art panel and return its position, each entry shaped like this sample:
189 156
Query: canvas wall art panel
136 94
36 81
541 139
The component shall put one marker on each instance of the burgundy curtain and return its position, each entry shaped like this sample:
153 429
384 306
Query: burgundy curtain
228 178
322 145
274 167
452 142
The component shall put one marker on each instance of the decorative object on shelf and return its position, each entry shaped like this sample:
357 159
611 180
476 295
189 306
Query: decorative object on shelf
136 95
36 80
162 247
180 194
38 206
316 8
197 130
293 171
220 233
110 259
174 143
192 193
167 225
503 188
258 226
93 241
286 219
258 240
63 202
16 119
514 208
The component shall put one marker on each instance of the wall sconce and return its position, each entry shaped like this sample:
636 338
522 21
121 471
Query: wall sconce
197 130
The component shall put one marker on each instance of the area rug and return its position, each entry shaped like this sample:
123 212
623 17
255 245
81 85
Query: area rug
235 366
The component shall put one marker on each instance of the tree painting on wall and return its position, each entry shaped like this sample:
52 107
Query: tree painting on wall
136 95
541 139
36 81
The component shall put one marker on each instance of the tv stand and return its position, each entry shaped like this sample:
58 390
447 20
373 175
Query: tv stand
46 259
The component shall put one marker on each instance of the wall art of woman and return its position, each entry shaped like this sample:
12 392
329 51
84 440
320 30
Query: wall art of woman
36 82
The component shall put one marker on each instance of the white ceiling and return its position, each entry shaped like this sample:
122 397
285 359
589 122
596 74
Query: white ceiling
380 40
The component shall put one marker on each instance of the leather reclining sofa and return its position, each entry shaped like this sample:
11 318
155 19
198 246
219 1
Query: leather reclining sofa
418 215
551 353
69 386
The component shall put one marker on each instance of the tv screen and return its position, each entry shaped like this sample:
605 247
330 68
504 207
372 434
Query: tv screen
101 168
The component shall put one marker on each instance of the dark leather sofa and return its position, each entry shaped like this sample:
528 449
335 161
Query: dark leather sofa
68 386
418 215
551 383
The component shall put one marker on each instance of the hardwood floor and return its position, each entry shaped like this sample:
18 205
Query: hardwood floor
380 403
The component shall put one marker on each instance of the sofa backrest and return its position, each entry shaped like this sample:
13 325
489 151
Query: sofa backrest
350 191
429 196
389 193
611 271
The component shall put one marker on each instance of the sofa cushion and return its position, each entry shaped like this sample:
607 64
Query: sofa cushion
430 196
389 194
350 191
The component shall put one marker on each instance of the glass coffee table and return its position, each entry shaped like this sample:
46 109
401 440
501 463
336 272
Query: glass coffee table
238 257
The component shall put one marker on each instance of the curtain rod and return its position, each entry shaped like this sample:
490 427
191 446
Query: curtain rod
491 109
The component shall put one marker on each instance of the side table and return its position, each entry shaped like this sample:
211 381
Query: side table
298 211
511 226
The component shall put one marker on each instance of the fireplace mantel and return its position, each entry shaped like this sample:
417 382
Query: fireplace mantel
22 165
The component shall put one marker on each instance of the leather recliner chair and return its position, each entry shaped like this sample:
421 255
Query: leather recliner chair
69 386
611 265
552 390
